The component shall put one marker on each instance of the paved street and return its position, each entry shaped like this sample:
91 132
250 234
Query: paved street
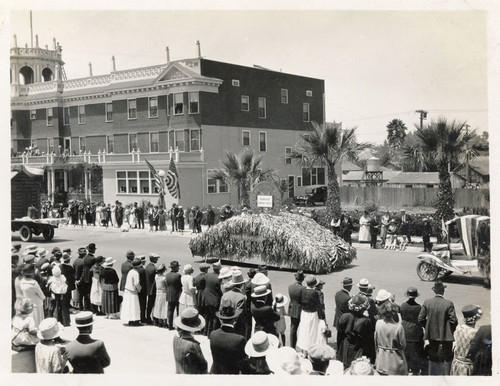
131 348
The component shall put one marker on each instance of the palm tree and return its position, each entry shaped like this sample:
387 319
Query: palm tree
396 133
243 170
325 146
444 142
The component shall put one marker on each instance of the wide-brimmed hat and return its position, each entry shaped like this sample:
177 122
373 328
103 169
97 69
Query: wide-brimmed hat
347 281
260 291
361 366
311 281
358 303
472 313
320 353
237 278
188 268
383 295
136 262
438 286
225 272
28 259
130 254
190 320
49 328
227 310
412 292
84 319
363 284
45 267
142 258
108 262
281 300
260 279
260 344
287 361
66 257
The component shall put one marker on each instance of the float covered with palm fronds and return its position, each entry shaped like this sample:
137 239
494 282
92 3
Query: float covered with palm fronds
284 240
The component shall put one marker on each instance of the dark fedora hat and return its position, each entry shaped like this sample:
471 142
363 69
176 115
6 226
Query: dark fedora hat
174 264
347 281
99 260
412 292
438 286
227 311
91 247
136 262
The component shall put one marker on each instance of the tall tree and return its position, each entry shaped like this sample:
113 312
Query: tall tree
396 133
326 145
243 170
444 142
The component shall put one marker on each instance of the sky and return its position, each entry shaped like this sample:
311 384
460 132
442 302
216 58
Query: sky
377 65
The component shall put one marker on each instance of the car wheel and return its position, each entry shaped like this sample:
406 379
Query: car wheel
48 234
25 233
427 272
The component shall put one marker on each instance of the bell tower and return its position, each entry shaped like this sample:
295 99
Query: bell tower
29 65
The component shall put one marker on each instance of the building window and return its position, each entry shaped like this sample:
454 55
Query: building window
245 103
180 140
109 111
313 176
309 93
245 138
288 155
66 115
135 182
153 107
284 95
132 142
262 141
50 117
215 185
305 112
110 144
50 145
132 108
155 142
178 104
81 115
195 139
83 144
299 180
194 104
262 108
32 114
235 83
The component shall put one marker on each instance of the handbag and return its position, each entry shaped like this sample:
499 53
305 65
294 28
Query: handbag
328 332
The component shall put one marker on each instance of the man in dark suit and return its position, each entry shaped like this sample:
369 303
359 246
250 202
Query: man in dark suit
88 262
125 268
143 293
78 266
264 314
405 225
228 348
87 355
438 317
139 215
238 298
150 271
173 217
342 298
199 283
294 309
69 273
174 289
213 295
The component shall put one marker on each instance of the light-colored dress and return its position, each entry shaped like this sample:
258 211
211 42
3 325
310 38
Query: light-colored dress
187 295
461 365
32 290
131 218
96 287
364 229
383 228
160 307
281 324
113 215
50 358
22 325
390 343
131 310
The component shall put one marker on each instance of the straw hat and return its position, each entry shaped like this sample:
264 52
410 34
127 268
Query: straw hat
260 279
260 291
260 344
412 292
190 320
383 295
108 262
49 329
281 300
225 272
237 278
84 319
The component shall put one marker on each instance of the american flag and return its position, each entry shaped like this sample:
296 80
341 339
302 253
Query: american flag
172 180
159 182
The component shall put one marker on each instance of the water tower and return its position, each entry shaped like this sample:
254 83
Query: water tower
373 174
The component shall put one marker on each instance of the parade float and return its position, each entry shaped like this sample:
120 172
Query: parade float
266 234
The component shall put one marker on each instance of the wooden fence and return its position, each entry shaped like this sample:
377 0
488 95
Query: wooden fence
406 197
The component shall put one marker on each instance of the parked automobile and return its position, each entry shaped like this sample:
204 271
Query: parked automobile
317 195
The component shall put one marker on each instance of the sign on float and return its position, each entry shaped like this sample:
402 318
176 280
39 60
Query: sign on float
265 201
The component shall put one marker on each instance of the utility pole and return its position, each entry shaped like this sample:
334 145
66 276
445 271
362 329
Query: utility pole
423 115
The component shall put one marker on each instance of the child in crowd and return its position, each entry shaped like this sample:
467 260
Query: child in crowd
58 287
23 326
280 301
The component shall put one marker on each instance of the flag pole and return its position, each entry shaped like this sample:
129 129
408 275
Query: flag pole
31 27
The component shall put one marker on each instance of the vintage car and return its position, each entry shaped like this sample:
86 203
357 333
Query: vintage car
28 227
461 252
316 195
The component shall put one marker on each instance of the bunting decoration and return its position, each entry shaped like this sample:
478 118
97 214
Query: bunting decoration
172 180
159 181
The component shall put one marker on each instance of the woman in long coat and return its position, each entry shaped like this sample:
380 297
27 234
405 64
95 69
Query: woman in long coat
390 342
364 228
31 290
463 335
189 358
414 334
354 332
109 279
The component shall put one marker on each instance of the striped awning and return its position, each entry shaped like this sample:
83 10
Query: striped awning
467 229
30 171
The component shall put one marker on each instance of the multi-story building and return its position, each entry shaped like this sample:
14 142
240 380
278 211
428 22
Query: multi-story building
194 110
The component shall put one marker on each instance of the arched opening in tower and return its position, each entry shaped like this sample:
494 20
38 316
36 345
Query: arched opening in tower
26 75
47 74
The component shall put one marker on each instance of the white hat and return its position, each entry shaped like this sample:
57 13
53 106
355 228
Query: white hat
225 272
260 279
260 344
383 295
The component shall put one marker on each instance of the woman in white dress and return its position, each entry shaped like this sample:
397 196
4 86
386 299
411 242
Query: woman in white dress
364 228
98 214
31 290
160 310
186 299
131 310
113 215
96 287
131 217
